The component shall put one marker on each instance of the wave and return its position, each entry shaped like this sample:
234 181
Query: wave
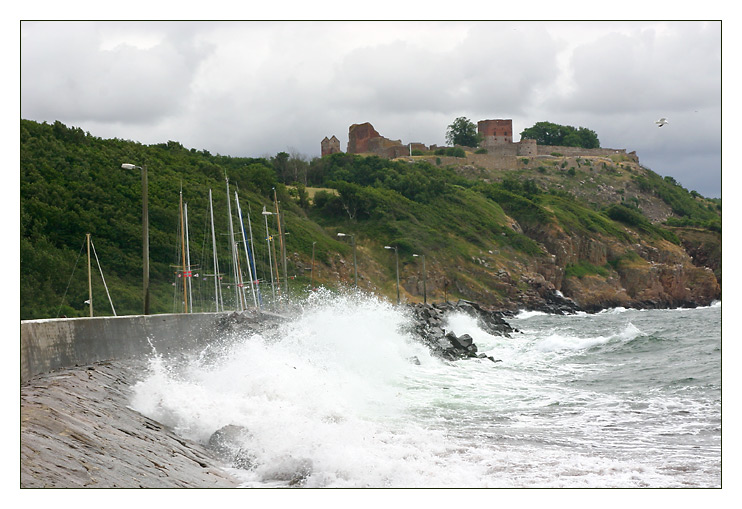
524 315
331 398
568 342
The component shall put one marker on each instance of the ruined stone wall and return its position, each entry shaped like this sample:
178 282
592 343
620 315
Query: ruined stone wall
544 150
359 136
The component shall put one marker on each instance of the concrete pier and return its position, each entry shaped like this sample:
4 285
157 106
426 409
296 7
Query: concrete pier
76 378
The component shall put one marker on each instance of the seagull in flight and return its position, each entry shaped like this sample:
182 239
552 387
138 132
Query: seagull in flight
661 122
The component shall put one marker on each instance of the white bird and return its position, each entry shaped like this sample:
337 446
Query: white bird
661 122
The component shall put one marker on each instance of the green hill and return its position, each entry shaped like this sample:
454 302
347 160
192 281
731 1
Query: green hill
603 232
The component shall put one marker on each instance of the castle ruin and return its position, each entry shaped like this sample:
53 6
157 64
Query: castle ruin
496 134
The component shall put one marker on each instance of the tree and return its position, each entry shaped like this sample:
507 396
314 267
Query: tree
281 166
548 133
463 132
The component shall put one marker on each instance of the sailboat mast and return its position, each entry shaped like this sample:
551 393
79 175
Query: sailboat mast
90 281
270 262
217 296
275 261
234 250
188 259
183 250
247 252
252 252
283 246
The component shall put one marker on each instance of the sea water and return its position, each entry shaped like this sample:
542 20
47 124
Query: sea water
344 396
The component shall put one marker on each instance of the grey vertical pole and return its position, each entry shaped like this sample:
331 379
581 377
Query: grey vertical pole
145 238
355 264
396 256
188 261
90 283
217 297
425 283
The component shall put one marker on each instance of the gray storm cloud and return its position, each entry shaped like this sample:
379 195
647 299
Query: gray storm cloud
256 88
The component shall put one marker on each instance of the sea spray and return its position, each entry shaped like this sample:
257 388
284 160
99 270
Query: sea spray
331 399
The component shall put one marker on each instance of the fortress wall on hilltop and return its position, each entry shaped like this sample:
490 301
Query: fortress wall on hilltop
545 150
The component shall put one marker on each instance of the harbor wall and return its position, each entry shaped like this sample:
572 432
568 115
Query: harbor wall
48 345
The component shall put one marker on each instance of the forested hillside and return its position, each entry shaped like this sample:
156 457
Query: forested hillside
509 239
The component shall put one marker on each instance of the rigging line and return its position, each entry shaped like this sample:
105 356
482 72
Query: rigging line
101 276
71 276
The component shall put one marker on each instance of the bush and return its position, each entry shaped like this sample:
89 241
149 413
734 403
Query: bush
451 152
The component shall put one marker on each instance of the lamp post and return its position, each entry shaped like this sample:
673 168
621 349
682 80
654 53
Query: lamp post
396 257
268 239
355 264
145 233
311 274
425 280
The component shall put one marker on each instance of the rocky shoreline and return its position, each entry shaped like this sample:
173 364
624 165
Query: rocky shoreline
428 322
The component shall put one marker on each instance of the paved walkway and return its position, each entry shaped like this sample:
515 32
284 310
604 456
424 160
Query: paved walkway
77 432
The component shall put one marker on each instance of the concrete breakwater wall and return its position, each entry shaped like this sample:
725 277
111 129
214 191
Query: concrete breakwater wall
48 345
77 430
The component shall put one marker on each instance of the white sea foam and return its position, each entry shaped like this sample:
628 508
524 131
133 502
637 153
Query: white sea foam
334 394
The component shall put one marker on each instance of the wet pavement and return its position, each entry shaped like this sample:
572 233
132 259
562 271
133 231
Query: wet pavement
77 432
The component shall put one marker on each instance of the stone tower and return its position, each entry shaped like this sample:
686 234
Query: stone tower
495 132
330 146
527 148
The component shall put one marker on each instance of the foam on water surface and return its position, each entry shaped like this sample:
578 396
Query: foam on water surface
334 396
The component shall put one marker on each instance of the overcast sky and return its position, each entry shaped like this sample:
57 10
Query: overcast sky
257 88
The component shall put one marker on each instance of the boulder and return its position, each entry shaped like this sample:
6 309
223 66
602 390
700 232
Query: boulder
228 444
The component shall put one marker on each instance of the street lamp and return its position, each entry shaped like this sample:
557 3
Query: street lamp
145 233
311 276
396 257
425 280
355 264
268 239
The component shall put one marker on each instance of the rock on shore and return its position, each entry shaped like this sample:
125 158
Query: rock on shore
429 321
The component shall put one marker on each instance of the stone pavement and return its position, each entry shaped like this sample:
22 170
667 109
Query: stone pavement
77 432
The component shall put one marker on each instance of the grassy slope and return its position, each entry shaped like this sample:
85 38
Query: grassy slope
469 229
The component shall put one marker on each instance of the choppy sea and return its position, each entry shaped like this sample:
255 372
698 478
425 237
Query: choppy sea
336 398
